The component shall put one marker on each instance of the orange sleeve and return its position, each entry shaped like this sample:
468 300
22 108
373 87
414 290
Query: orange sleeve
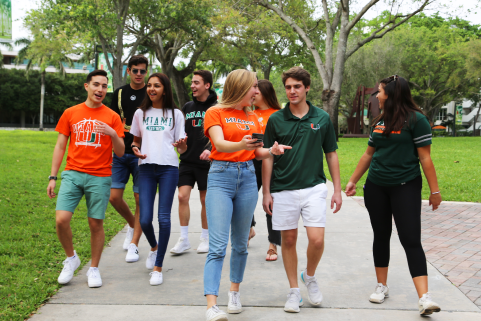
63 125
211 118
118 126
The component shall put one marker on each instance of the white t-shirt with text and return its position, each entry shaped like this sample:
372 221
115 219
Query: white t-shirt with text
158 135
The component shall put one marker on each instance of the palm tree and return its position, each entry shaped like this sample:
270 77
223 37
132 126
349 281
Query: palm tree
42 53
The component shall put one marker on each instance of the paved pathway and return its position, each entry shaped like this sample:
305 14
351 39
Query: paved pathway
451 238
345 274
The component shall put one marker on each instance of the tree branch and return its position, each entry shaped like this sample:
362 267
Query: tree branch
193 60
337 19
361 14
375 34
303 35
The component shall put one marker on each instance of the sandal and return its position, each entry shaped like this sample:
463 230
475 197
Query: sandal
252 233
270 253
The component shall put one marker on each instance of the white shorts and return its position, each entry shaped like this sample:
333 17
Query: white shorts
289 205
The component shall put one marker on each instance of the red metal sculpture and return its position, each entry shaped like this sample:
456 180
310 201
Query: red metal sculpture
355 123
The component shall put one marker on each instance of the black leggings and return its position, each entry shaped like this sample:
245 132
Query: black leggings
404 203
274 236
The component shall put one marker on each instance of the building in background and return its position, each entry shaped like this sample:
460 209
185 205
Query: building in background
464 113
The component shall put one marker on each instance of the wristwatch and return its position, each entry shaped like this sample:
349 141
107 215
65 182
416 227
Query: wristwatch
52 177
270 151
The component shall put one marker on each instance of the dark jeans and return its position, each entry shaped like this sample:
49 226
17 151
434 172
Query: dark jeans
274 236
402 202
166 177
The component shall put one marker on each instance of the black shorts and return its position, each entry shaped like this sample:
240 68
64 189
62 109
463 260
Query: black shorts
189 174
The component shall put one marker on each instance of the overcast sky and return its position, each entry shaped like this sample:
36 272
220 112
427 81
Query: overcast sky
454 7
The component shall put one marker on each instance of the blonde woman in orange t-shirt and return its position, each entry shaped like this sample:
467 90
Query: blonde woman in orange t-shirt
231 186
266 104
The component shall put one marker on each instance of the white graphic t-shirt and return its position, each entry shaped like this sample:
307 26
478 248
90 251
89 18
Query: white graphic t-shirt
158 134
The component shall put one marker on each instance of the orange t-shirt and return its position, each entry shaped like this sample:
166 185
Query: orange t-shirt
263 116
88 151
235 125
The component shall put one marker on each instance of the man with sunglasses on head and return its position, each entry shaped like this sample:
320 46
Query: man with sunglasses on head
125 101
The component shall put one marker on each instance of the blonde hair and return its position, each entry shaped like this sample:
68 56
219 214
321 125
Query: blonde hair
236 86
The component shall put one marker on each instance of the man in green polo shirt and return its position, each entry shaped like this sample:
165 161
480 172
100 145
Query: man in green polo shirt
298 184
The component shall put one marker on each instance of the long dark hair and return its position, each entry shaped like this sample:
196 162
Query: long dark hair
167 100
399 107
268 93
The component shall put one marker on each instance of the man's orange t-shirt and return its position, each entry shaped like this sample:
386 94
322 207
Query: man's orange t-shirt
88 151
263 116
235 125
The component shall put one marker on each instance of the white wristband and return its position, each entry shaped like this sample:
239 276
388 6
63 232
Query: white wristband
436 192
270 151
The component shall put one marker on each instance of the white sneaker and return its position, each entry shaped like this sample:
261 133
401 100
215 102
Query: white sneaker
294 301
427 306
128 238
314 295
380 293
156 278
132 253
234 305
150 262
69 267
203 246
215 314
181 246
95 281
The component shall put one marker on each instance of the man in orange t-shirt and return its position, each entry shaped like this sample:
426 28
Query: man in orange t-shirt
94 130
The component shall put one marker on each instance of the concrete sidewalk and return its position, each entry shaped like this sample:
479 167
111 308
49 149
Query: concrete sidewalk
346 277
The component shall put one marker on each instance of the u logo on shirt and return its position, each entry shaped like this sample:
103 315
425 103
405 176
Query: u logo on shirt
315 127
243 127
199 123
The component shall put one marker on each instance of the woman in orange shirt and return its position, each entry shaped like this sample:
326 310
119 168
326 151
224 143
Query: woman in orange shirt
266 104
231 186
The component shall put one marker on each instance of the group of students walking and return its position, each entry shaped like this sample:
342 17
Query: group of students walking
232 149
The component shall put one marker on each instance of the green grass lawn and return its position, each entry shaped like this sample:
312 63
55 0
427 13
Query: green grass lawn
457 161
30 255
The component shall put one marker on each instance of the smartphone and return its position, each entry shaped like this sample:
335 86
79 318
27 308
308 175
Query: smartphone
260 137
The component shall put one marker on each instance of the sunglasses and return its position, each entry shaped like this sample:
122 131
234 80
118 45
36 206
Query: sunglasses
141 71
392 78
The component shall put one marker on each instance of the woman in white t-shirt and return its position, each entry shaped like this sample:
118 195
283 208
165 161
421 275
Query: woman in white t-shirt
158 127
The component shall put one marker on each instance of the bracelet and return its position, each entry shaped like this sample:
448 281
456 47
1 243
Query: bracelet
436 192
132 146
270 151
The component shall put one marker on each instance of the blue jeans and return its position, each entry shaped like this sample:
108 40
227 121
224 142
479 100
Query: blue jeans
230 203
122 167
151 175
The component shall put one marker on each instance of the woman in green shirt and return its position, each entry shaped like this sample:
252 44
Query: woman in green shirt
400 139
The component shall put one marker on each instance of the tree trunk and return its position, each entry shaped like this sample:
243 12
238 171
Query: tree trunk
42 100
267 72
180 89
22 119
121 7
33 119
330 101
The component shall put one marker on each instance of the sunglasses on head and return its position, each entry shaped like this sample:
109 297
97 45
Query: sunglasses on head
392 78
136 71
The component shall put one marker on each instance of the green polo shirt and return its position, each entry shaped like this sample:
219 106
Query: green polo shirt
310 137
395 160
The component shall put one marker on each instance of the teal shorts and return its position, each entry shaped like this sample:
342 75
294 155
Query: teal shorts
77 184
